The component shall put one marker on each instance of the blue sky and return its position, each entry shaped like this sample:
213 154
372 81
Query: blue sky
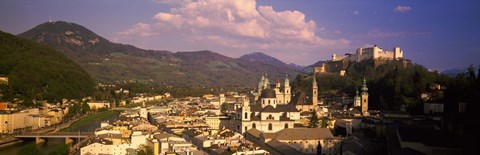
438 34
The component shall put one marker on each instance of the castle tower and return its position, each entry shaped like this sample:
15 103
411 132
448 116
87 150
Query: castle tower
364 97
286 90
359 54
397 53
314 91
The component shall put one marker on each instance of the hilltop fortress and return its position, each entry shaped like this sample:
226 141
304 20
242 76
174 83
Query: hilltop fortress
374 52
339 64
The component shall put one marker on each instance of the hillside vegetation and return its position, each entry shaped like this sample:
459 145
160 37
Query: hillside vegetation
389 86
38 72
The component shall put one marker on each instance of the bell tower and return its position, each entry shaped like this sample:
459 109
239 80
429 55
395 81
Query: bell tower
287 90
314 91
364 97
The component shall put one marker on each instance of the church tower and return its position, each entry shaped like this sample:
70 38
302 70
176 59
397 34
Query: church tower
314 91
260 85
246 112
357 100
266 83
364 97
287 90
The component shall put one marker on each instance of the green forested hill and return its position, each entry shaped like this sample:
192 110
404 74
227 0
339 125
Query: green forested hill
389 86
36 71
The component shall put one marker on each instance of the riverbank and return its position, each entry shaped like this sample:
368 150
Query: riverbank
90 118
9 141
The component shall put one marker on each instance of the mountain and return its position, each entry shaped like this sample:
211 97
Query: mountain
112 62
453 72
39 72
263 58
295 66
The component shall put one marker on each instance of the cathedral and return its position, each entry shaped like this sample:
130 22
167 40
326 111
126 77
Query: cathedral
272 108
282 93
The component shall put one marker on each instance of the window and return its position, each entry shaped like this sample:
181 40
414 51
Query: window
246 115
270 117
254 125
270 126
268 101
286 125
246 128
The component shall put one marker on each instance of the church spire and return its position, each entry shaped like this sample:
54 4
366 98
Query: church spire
266 79
314 91
286 78
364 87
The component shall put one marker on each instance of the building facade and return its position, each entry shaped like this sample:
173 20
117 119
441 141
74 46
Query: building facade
271 112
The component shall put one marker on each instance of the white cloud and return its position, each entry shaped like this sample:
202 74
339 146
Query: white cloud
140 29
402 9
239 25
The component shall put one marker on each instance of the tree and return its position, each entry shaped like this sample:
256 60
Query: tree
478 73
224 107
30 149
313 123
85 108
144 150
471 72
324 122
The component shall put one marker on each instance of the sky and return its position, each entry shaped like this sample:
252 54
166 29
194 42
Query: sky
439 34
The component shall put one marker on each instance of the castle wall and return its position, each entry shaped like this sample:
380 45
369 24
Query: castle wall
385 55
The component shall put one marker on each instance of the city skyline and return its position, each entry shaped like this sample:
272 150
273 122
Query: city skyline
438 35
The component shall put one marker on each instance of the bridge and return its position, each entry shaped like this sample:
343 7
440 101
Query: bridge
120 108
67 135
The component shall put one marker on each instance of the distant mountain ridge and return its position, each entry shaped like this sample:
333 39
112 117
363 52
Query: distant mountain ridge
453 72
113 62
264 58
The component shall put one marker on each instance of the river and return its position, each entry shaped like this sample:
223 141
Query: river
50 144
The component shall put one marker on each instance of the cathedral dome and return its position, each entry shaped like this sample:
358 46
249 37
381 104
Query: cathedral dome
268 93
